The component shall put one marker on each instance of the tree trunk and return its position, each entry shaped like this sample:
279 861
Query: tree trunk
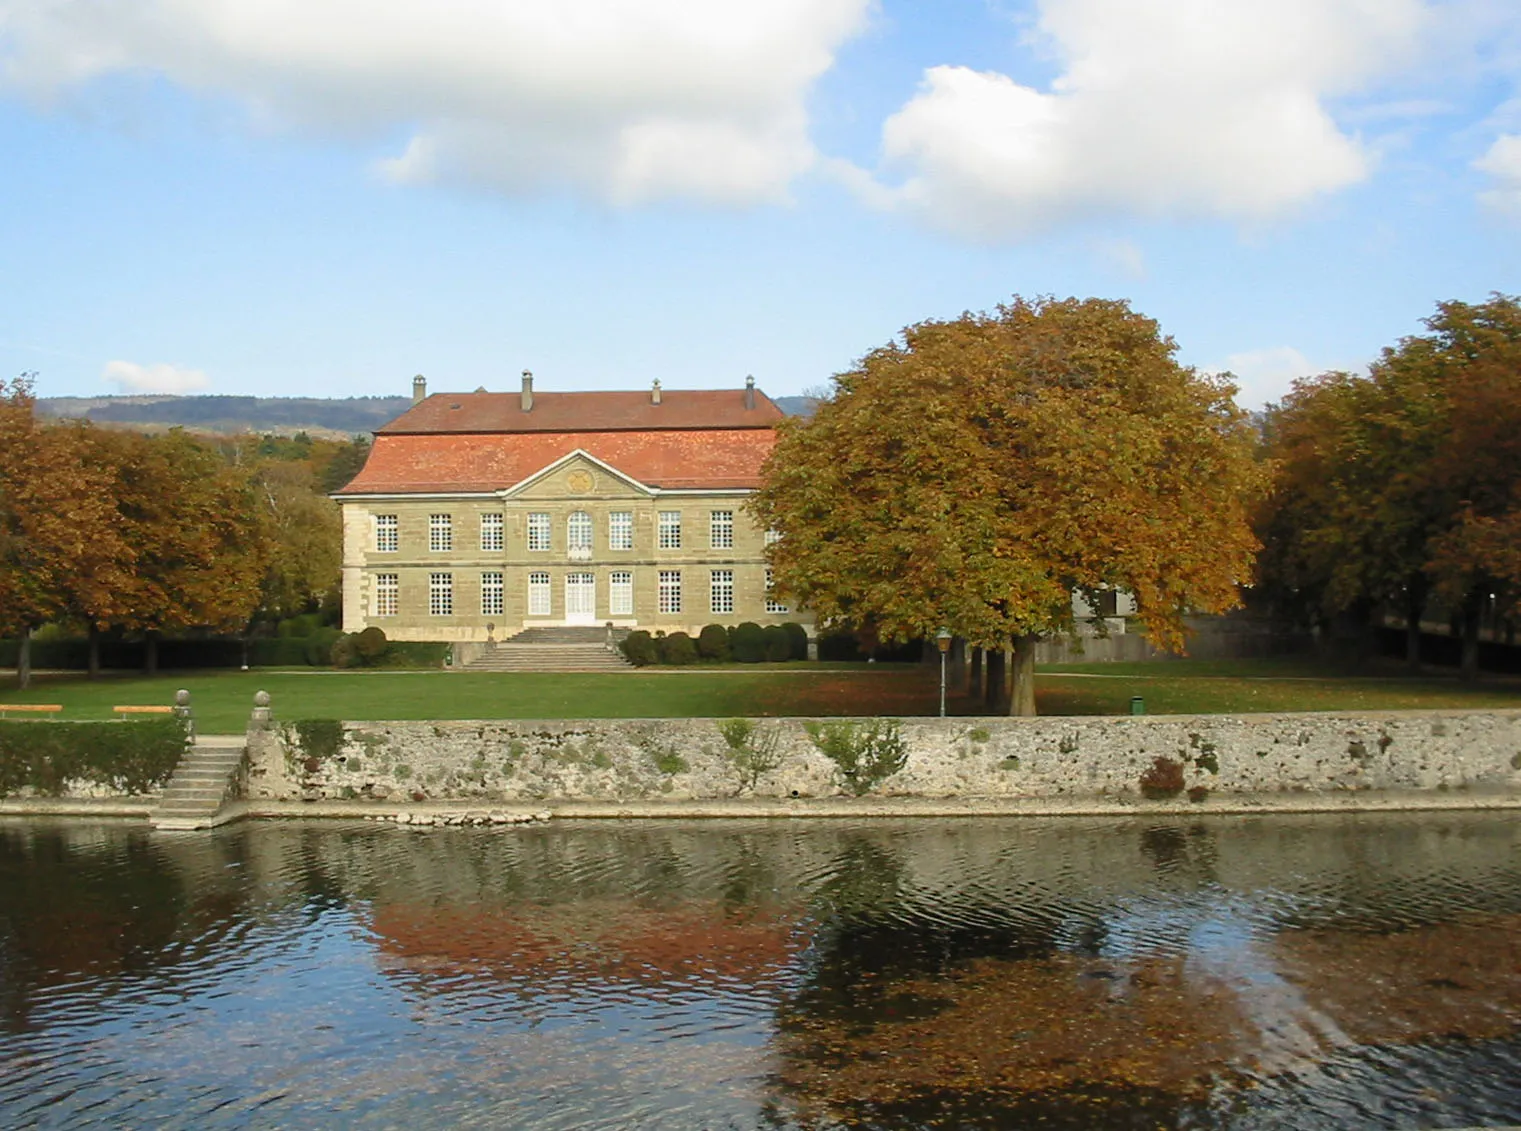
974 676
1470 617
92 659
996 668
956 665
1022 696
1413 613
150 653
24 659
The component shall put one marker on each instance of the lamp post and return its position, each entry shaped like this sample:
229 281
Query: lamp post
943 639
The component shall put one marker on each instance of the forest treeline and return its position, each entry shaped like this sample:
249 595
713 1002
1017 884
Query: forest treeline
112 531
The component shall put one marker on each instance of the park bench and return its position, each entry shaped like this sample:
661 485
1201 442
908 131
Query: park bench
30 708
125 713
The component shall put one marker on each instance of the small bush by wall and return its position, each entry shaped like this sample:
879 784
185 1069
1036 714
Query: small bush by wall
797 635
749 643
777 644
713 643
638 647
130 758
678 648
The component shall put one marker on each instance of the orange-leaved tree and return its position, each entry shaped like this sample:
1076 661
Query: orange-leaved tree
979 473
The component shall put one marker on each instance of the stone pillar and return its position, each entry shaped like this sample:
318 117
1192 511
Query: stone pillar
182 711
260 719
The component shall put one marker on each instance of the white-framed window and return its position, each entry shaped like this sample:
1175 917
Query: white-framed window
620 530
441 594
538 530
773 536
491 532
386 537
538 594
620 593
387 596
578 531
440 532
670 591
491 594
721 530
773 605
721 591
669 536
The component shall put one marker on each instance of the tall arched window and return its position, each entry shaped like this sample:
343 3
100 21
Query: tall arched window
578 534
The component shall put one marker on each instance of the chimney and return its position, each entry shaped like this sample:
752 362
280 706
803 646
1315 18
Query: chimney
527 400
749 392
655 392
419 389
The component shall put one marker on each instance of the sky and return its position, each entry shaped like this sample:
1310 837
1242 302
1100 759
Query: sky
325 197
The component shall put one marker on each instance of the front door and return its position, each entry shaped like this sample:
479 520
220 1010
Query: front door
580 598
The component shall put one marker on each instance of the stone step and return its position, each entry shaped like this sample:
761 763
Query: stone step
198 788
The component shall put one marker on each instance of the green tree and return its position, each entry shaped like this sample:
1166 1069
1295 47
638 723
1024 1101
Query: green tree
979 473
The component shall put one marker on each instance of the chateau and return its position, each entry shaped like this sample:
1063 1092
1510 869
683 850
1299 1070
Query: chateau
480 514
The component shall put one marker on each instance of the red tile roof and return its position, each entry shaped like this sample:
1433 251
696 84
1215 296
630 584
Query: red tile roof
472 462
586 412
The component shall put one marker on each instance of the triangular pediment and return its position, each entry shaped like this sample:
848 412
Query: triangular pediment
578 475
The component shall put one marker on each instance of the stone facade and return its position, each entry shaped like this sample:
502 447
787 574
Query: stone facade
1188 760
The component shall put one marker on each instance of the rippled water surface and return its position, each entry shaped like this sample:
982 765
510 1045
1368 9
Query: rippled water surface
1274 972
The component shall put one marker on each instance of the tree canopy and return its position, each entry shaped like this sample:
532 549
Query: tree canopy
981 471
1404 484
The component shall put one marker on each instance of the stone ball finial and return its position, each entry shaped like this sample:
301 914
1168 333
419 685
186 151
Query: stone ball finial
261 699
182 698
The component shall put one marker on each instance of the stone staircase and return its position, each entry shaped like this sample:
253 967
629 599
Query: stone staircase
552 650
195 794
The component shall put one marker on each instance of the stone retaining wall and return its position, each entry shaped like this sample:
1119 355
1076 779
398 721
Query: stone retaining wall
1118 759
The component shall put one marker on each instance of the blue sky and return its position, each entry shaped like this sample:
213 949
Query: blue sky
325 197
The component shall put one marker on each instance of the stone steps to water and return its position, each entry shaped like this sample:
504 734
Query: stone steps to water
516 657
195 794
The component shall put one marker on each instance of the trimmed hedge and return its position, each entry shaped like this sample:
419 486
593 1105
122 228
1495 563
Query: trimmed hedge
678 649
777 644
131 757
798 635
749 643
713 643
638 647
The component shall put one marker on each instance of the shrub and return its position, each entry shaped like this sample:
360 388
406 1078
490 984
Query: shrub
713 643
749 643
127 757
280 652
839 645
750 753
319 646
797 635
638 647
371 644
344 653
416 654
1164 780
678 648
864 756
777 644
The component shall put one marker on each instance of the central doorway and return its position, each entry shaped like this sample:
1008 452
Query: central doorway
580 598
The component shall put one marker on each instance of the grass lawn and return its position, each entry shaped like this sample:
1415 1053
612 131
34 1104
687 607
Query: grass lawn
222 699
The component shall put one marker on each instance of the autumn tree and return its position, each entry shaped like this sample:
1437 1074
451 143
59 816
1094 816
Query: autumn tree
1404 485
190 519
981 471
60 545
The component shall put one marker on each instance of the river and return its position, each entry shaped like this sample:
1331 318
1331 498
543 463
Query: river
1225 972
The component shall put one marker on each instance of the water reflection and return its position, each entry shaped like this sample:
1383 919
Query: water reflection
1227 972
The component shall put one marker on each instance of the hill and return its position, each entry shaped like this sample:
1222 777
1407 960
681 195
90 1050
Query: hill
319 416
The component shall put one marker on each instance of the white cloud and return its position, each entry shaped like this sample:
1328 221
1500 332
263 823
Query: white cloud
1266 375
1503 163
1163 108
626 100
160 378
